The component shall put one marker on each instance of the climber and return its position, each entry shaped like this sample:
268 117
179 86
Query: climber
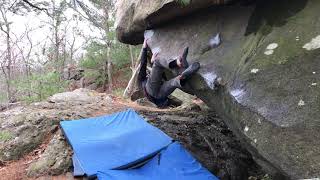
155 88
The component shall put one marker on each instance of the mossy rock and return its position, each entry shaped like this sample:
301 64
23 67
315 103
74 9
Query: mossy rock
5 136
55 160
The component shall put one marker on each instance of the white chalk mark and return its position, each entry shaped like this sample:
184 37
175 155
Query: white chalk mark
314 84
156 50
254 71
301 103
210 79
237 93
246 129
215 41
272 46
268 52
313 44
148 34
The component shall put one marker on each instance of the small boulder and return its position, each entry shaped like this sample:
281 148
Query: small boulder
77 96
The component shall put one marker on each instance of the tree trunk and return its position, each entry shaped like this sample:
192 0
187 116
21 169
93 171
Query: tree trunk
56 51
7 65
132 85
132 59
109 69
9 93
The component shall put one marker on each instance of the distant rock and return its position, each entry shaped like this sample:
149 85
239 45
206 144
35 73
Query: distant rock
76 96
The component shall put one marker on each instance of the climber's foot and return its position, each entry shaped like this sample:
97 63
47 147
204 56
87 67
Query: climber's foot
194 67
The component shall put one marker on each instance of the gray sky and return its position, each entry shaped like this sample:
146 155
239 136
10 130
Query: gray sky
40 31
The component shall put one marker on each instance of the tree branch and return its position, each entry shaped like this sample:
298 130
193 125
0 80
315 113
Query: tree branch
34 6
90 14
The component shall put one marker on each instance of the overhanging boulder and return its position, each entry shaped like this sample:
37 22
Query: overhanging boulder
269 63
134 16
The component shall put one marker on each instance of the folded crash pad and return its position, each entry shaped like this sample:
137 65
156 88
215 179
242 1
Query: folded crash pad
115 141
172 163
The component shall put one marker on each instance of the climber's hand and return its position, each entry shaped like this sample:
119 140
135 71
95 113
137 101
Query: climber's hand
145 43
154 57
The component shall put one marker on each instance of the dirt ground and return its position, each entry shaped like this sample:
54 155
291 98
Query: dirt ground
203 133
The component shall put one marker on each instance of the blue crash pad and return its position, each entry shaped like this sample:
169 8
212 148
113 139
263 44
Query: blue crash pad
172 163
115 141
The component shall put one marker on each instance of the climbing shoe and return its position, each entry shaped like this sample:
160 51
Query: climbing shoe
190 70
183 60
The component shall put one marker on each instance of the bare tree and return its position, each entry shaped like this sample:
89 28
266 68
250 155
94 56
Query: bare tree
24 55
72 46
69 46
26 49
132 84
101 21
56 18
6 63
35 5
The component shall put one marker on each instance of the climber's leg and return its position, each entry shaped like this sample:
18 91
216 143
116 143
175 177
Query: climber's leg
154 81
169 86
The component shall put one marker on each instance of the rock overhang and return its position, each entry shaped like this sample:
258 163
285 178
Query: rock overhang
134 17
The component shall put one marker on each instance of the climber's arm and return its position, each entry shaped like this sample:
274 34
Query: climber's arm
142 76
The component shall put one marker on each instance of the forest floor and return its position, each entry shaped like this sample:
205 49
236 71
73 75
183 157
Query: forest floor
201 132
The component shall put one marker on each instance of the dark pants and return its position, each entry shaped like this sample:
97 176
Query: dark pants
155 85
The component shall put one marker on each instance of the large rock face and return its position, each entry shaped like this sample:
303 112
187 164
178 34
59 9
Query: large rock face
269 62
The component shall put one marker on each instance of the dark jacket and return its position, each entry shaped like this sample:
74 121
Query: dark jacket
142 81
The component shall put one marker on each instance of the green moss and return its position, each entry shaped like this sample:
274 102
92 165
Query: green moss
5 136
184 2
37 168
295 19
